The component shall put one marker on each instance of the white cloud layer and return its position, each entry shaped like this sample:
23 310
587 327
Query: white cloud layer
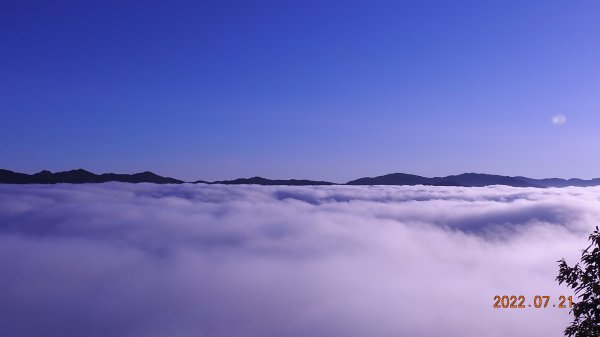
206 260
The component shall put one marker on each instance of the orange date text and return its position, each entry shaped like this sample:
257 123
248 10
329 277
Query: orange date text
538 302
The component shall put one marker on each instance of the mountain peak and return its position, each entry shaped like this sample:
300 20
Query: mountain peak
44 173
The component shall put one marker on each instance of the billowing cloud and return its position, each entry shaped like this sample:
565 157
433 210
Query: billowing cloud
207 260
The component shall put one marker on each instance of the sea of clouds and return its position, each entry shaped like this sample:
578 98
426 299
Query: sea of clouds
148 260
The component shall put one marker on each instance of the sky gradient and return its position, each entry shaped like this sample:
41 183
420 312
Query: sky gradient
330 90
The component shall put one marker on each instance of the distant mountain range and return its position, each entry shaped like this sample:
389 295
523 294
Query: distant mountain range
465 179
265 181
81 176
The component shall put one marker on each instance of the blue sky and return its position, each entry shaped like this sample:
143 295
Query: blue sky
330 90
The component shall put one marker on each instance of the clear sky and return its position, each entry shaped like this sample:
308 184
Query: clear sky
331 90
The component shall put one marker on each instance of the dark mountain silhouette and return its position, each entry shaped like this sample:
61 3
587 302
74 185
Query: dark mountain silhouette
465 179
264 181
80 177
480 180
142 177
557 182
10 177
394 179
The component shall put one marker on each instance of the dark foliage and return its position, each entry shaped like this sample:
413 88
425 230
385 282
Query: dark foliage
584 279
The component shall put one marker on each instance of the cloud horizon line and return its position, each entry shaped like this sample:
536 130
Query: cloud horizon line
10 176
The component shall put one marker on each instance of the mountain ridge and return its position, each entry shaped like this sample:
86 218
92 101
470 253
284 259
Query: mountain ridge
265 181
81 176
464 179
472 180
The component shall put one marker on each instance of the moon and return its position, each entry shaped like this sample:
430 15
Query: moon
559 119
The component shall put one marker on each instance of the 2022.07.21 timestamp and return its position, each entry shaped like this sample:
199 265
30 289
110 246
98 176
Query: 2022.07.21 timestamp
539 302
